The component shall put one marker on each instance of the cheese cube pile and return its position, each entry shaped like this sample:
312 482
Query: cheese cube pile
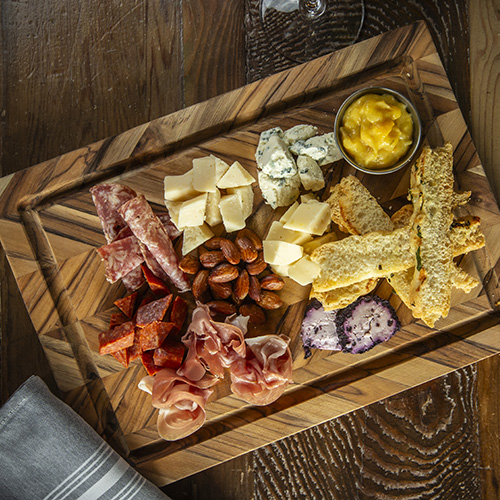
291 159
289 240
211 193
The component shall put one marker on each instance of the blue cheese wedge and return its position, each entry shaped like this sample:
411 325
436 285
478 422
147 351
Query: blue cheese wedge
279 192
311 175
299 133
317 147
264 139
276 161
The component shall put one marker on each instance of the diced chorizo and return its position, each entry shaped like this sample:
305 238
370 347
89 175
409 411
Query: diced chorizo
122 356
152 311
116 319
127 304
152 335
170 354
156 284
179 313
135 351
148 362
120 337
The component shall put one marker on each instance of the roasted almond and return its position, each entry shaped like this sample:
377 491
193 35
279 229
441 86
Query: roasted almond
200 285
189 264
256 241
254 288
221 290
269 300
211 258
241 286
213 243
247 249
221 307
257 266
272 282
256 314
230 251
223 273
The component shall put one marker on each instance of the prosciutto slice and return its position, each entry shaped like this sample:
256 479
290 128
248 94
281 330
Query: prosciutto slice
181 402
212 346
108 198
150 231
263 374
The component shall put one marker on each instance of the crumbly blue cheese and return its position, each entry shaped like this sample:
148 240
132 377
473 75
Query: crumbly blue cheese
299 133
276 161
279 192
333 155
264 139
317 147
310 173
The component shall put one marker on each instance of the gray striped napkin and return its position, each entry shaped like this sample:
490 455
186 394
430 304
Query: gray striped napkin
49 452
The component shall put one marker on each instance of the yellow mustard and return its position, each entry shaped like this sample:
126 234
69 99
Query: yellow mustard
376 131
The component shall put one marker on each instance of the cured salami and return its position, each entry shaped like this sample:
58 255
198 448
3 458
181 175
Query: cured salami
120 257
108 198
152 311
150 231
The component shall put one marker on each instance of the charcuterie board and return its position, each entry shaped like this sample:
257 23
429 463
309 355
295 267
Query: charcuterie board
49 230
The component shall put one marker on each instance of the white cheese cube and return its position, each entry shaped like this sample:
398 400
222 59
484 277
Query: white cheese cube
221 167
317 147
278 233
304 271
310 173
276 161
193 237
304 198
264 140
173 208
204 177
212 215
235 176
312 217
280 192
246 197
280 270
289 212
179 187
281 252
192 212
299 133
310 246
232 212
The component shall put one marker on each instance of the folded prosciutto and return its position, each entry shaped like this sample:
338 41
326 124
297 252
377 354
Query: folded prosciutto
149 230
181 402
212 346
263 374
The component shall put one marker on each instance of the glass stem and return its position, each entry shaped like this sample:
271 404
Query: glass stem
312 9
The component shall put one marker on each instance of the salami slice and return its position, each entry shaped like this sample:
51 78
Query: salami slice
108 198
118 338
120 257
133 280
146 226
169 226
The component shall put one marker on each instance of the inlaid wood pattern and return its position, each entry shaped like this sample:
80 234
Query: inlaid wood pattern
50 231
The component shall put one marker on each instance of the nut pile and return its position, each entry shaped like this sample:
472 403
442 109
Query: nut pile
231 277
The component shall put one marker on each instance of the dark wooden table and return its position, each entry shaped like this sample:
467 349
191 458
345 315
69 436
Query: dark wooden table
77 72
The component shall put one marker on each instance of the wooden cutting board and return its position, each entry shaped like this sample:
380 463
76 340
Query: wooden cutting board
49 230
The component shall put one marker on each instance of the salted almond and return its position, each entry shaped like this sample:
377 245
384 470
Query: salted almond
211 258
189 264
223 273
256 314
257 266
221 307
230 251
221 290
269 300
241 286
256 241
272 282
199 286
213 243
254 288
247 249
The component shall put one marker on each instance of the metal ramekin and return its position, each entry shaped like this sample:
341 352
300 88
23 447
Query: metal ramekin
417 130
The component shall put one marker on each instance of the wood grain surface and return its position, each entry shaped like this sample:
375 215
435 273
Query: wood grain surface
32 77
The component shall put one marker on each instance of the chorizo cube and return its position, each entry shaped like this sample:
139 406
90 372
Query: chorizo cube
152 311
118 338
135 351
148 362
127 304
170 354
122 356
156 284
179 313
117 319
152 335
